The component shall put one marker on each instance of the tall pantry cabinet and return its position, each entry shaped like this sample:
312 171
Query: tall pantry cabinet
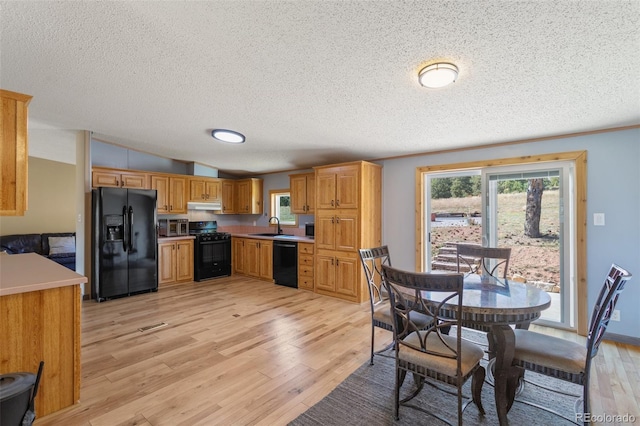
348 217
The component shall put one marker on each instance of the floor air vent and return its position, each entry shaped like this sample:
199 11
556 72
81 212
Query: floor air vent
152 327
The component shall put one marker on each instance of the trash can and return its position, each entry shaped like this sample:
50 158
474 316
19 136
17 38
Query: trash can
15 396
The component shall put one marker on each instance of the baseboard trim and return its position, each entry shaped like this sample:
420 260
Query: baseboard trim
621 338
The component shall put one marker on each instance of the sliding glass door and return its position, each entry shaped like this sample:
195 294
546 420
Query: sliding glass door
526 207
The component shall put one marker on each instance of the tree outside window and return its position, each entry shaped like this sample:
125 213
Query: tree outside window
281 207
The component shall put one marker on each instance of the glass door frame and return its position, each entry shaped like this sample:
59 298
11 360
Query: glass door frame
579 160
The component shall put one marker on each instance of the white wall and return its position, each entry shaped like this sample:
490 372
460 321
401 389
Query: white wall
613 188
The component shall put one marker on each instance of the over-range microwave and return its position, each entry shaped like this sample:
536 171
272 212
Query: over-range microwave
173 227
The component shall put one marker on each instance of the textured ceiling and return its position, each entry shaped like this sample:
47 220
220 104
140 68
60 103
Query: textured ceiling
315 81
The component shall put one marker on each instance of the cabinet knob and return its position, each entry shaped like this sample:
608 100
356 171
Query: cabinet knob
337 202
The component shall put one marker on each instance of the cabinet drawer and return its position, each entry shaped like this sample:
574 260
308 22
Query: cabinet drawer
305 283
305 270
305 259
305 248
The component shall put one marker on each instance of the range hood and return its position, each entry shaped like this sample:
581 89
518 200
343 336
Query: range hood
205 206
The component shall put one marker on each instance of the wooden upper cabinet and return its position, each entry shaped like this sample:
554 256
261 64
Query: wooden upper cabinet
161 185
119 179
205 190
338 187
302 188
172 193
177 194
248 199
14 153
228 196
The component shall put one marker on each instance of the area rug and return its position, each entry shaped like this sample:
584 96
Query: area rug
366 398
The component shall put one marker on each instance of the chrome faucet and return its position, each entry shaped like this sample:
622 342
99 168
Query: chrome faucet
278 222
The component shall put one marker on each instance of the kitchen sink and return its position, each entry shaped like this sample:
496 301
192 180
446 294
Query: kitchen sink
267 234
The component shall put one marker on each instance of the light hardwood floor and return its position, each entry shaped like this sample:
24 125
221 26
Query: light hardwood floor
237 351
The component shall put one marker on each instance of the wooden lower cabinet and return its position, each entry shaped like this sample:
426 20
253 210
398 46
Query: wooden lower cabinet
253 257
337 274
305 266
175 261
44 325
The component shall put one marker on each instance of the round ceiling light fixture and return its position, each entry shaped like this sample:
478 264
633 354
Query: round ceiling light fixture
228 136
438 75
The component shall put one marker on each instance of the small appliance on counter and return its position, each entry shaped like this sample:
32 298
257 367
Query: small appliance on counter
173 227
309 229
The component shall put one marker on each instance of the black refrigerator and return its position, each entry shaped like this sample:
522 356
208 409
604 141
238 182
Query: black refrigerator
124 242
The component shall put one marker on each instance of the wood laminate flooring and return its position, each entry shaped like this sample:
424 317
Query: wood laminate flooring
238 351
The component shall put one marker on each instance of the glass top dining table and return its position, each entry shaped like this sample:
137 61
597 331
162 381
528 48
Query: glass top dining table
495 305
488 301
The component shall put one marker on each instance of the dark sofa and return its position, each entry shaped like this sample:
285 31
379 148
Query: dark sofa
59 247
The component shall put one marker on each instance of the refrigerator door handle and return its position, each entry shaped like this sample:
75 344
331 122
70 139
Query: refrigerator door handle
130 228
126 228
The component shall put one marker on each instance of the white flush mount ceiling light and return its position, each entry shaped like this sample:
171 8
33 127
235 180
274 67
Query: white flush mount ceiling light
438 75
228 136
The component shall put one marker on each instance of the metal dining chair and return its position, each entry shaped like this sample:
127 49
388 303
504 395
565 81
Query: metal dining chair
567 360
477 259
431 354
372 260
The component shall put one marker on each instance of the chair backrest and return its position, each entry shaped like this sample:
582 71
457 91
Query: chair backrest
605 304
372 260
407 294
483 260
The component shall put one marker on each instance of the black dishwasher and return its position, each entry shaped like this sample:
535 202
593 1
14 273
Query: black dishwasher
285 263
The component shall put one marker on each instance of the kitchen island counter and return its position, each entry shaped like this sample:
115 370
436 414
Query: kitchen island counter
22 273
40 311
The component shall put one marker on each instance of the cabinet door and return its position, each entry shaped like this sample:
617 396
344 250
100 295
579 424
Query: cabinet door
311 193
266 259
178 195
325 273
196 190
325 230
346 275
161 185
228 196
347 187
298 192
239 260
252 256
14 153
184 260
166 263
326 190
134 180
213 190
346 230
105 179
243 196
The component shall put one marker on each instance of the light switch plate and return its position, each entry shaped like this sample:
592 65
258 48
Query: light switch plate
598 219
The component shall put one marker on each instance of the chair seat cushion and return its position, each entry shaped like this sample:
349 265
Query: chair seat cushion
382 313
549 351
471 354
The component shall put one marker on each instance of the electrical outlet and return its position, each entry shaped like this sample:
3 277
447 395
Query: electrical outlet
616 315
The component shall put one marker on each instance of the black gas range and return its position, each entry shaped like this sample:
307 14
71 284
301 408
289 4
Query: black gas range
212 257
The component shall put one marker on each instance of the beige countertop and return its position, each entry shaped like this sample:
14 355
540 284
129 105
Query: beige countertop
181 237
278 238
22 273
